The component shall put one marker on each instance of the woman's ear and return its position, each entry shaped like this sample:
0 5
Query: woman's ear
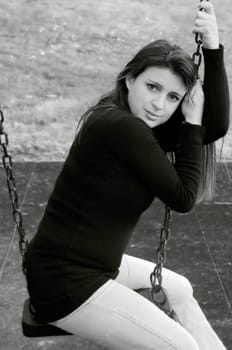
129 81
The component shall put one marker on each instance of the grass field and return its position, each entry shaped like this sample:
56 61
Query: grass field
57 57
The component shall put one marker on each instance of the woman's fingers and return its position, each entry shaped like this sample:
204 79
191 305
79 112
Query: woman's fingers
205 23
206 6
193 103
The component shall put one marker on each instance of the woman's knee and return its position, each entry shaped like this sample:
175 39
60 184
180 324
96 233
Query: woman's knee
185 287
179 289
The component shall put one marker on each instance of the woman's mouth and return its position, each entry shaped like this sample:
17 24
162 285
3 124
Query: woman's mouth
151 115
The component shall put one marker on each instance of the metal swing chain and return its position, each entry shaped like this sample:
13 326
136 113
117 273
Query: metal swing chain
197 56
17 215
157 293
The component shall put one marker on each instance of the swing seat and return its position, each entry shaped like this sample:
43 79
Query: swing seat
31 327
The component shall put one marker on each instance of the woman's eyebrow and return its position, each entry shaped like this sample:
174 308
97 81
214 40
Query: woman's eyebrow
177 94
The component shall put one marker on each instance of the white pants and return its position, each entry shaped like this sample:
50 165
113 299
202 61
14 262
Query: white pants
117 317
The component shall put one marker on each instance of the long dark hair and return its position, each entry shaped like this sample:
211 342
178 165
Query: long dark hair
159 53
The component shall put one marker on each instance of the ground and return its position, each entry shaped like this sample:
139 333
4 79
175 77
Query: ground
58 57
198 247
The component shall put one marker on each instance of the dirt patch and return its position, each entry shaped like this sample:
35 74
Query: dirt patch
57 57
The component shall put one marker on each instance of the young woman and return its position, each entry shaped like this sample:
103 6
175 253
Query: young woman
79 278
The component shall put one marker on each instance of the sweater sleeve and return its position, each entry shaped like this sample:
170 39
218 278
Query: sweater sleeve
216 109
133 143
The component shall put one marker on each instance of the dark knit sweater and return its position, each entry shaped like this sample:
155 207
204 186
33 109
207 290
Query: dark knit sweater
113 172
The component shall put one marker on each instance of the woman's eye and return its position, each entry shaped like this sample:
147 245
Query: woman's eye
174 98
152 87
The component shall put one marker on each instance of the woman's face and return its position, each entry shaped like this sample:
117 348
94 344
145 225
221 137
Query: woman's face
155 94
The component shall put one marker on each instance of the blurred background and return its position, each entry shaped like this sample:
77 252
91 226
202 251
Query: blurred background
57 57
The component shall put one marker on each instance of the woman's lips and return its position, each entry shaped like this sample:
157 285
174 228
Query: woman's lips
153 116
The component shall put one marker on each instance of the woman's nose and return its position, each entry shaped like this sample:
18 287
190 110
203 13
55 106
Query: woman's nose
158 101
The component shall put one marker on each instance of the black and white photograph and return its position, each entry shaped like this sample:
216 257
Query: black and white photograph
115 175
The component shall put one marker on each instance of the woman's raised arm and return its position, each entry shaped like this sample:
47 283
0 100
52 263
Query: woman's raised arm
216 109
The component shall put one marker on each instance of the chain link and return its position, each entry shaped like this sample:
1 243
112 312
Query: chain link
16 212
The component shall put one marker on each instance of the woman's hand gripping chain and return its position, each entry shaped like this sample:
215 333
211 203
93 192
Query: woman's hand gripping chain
205 24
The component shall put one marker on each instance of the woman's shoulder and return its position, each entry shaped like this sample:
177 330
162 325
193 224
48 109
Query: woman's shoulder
115 117
108 114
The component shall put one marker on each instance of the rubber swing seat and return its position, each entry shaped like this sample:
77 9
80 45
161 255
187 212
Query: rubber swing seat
31 327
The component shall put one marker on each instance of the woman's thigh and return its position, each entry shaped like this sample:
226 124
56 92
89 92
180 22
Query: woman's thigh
118 318
134 273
